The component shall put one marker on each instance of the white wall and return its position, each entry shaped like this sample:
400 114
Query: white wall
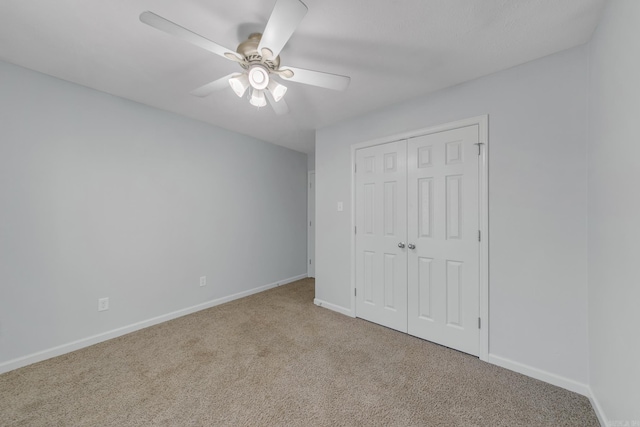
103 197
614 213
537 167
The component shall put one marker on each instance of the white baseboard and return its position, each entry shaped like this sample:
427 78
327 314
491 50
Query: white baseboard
95 339
541 375
598 409
289 280
333 307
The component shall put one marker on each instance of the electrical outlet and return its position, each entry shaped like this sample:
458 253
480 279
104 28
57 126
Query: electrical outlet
203 280
103 304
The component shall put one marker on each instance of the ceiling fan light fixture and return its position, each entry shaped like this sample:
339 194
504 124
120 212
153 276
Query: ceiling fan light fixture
259 56
257 98
258 77
277 90
239 84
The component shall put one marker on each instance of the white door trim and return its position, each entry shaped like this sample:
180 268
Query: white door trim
483 178
311 239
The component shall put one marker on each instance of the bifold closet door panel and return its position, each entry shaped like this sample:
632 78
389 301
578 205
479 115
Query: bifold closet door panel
443 265
381 230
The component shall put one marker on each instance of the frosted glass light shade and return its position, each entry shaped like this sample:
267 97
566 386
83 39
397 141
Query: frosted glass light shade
258 77
277 90
257 98
239 84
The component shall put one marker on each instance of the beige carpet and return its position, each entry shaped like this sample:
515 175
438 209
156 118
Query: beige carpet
275 359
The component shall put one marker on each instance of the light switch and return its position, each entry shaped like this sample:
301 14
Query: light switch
340 207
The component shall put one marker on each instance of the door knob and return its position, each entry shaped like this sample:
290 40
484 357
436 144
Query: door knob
412 246
401 245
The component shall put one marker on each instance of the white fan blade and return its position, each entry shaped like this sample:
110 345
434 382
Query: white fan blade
176 30
214 86
284 19
279 107
315 78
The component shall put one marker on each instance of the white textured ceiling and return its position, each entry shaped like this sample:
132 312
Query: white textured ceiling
392 49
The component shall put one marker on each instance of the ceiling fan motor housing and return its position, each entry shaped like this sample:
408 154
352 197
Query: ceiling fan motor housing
249 50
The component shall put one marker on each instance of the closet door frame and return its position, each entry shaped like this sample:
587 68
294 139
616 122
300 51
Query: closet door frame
483 214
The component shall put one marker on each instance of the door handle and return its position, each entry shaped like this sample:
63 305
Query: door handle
412 246
401 245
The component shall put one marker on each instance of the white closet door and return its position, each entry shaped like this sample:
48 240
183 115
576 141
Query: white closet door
381 213
443 268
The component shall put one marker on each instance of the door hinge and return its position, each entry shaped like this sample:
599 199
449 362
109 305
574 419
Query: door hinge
479 236
309 223
355 167
309 262
479 144
479 323
355 230
355 292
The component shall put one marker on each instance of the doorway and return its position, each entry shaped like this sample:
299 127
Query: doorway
311 224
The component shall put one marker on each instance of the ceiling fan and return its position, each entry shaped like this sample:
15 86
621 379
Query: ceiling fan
259 58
